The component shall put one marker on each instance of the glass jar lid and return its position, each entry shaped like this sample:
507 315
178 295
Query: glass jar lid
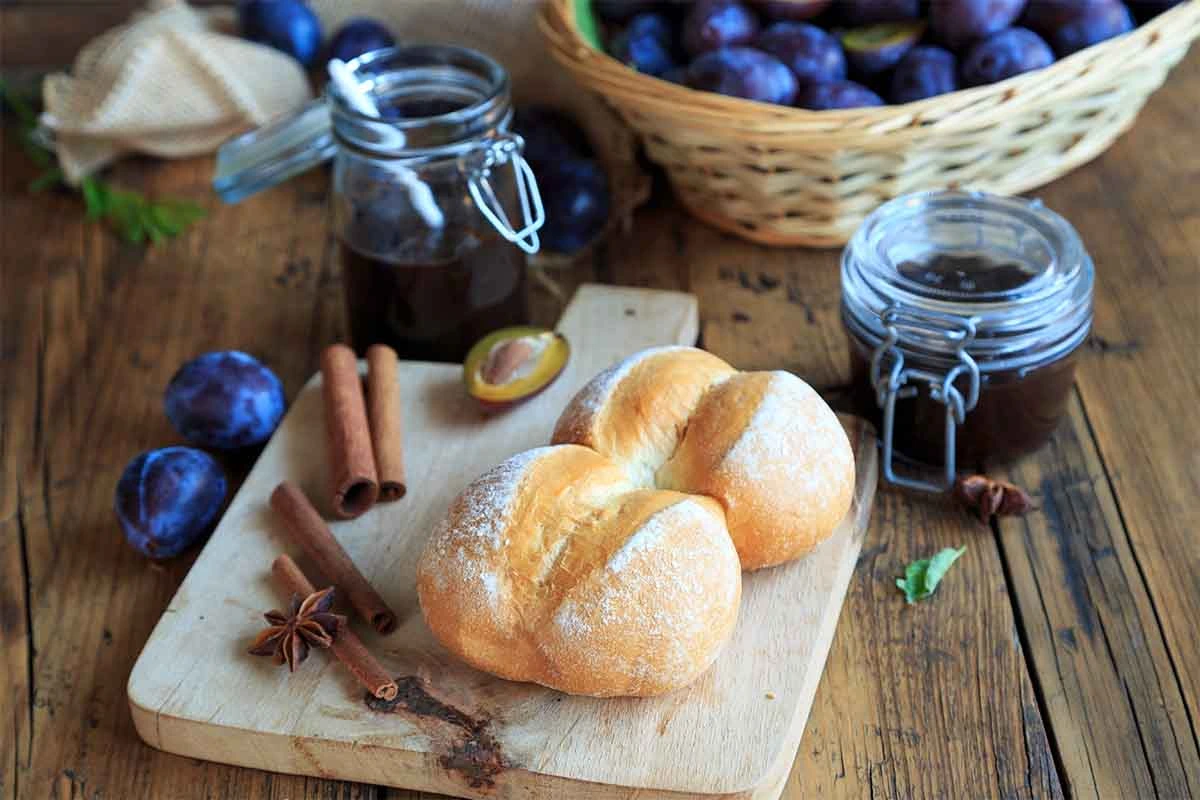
1004 279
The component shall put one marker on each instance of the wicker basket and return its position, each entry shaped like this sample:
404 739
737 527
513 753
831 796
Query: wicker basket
786 176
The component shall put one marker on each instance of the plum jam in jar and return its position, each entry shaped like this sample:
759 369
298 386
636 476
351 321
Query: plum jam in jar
964 313
434 207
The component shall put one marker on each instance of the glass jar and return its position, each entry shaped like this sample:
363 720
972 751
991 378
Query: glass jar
964 312
426 178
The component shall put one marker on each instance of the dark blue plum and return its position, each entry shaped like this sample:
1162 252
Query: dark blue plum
1005 54
166 499
647 44
358 36
858 13
1043 17
225 400
925 71
576 196
713 24
1096 23
549 135
744 72
878 48
959 23
793 10
676 75
832 95
287 25
623 10
809 52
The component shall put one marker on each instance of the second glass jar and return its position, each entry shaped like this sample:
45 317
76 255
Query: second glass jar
964 313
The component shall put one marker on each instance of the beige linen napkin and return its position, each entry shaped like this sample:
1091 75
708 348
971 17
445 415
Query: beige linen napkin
168 83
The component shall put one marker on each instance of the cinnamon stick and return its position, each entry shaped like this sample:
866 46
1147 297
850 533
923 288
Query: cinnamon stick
308 530
383 411
351 460
348 648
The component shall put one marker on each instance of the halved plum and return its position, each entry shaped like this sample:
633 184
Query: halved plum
511 365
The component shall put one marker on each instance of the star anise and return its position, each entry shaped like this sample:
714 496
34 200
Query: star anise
307 623
989 497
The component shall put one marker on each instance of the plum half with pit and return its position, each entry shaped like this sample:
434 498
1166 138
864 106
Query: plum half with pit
857 13
225 400
833 95
925 71
744 72
647 44
878 48
809 52
166 499
358 36
1004 55
794 10
713 24
511 365
959 23
576 197
1096 23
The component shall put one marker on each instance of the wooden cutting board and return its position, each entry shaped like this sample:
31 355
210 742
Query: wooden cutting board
733 733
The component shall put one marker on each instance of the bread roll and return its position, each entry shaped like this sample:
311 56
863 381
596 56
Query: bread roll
763 444
610 562
556 568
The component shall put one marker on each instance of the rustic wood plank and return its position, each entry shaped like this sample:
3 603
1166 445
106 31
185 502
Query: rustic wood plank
1139 212
926 700
88 349
1101 660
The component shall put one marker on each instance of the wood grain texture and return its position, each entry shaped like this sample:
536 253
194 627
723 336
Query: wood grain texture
733 733
1101 657
92 330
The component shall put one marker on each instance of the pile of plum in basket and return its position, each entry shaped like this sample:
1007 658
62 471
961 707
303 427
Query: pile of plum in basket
830 54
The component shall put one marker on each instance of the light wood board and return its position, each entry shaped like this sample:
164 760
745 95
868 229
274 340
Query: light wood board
733 733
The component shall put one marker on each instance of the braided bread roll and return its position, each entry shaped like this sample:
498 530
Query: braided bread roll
610 562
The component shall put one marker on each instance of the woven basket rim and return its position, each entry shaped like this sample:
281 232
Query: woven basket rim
751 119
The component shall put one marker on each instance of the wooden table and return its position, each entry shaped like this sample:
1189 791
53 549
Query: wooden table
1059 658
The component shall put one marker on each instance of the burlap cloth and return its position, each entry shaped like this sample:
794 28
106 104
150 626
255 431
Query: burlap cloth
168 83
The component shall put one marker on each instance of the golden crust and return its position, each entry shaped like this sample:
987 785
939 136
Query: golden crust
554 568
610 563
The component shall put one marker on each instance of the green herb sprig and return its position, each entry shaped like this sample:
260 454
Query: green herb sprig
131 215
922 577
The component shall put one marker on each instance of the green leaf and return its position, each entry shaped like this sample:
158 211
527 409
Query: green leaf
50 177
95 198
922 577
585 18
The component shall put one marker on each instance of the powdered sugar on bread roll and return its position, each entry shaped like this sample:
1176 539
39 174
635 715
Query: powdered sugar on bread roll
555 568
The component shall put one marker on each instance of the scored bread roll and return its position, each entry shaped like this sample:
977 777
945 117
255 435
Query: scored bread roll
763 444
555 568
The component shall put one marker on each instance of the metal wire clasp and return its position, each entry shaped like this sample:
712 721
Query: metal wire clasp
891 379
506 149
